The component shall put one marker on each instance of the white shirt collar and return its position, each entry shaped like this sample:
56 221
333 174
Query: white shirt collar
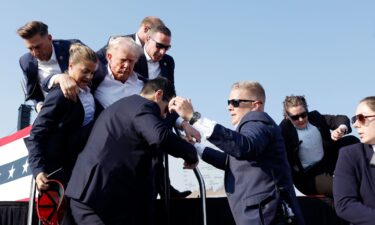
373 147
137 40
148 58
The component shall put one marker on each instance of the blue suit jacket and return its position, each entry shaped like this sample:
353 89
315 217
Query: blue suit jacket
256 168
354 185
57 135
29 66
114 173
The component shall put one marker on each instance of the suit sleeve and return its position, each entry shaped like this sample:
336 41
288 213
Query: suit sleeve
214 157
154 130
334 121
45 124
249 143
33 90
346 191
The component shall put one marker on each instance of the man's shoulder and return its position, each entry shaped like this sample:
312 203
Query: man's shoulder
65 42
168 58
26 58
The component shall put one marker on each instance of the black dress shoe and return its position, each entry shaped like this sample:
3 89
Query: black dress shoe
179 194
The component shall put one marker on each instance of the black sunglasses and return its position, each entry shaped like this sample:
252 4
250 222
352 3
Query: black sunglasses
160 45
296 117
236 102
361 118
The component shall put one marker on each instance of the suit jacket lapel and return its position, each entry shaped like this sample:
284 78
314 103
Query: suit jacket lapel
141 66
371 172
163 68
62 56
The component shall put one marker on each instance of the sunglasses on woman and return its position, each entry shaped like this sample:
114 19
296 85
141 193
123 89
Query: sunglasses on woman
296 117
361 118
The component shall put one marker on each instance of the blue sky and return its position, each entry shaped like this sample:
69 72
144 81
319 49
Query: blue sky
322 49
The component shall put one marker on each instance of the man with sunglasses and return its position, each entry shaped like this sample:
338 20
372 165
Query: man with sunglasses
312 141
155 62
140 37
258 182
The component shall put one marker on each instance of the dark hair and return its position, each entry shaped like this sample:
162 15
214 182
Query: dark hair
32 28
160 29
159 83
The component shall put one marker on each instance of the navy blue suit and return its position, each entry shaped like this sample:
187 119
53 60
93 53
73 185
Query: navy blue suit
29 66
57 135
354 185
114 174
257 174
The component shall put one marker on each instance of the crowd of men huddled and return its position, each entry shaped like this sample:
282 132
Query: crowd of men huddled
105 119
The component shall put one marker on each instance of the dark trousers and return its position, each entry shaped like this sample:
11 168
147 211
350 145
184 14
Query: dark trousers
83 214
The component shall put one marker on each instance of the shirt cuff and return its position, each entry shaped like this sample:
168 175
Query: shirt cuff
178 122
343 127
205 126
51 81
200 148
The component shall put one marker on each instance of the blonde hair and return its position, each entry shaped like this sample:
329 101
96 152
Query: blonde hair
254 88
79 52
152 21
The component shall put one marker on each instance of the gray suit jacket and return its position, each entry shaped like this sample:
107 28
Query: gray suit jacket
257 174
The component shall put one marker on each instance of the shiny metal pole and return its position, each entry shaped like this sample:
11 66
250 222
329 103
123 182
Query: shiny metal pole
31 202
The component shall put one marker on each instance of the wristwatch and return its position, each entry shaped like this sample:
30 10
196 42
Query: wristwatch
196 116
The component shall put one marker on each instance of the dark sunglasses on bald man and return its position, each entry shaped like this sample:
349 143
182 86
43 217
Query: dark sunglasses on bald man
296 117
361 118
160 45
236 102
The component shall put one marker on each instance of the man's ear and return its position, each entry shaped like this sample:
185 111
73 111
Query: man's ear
109 56
158 96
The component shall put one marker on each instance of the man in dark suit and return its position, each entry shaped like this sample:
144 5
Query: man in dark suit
155 62
140 37
311 147
112 181
258 182
46 57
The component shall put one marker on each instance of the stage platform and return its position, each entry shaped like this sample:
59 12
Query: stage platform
316 210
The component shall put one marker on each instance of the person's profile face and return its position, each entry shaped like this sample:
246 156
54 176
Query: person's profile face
157 46
237 112
82 72
121 63
298 116
40 46
365 127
